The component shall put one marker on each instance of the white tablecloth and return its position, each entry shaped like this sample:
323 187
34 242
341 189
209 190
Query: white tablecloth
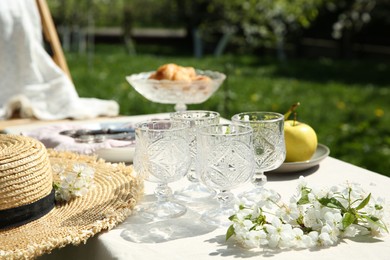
187 237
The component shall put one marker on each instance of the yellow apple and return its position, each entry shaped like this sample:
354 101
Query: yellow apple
301 141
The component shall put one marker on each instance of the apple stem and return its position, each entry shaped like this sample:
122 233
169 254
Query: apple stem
291 110
295 119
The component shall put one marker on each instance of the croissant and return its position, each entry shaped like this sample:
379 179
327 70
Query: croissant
175 72
166 71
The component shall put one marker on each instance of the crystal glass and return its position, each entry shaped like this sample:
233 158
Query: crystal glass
162 156
196 119
177 92
269 145
225 161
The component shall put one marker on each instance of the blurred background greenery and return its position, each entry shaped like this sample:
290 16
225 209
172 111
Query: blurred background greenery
332 56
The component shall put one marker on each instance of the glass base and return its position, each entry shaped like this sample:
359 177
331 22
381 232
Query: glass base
256 195
162 210
218 217
195 192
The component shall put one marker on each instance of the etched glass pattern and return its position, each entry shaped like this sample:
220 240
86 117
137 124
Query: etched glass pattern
269 145
227 165
225 161
268 138
196 119
162 155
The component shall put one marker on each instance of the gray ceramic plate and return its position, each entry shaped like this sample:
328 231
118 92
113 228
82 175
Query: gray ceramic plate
321 153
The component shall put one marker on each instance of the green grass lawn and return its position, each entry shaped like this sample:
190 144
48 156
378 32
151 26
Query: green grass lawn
346 102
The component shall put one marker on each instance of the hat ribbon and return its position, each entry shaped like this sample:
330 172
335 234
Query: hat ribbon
17 216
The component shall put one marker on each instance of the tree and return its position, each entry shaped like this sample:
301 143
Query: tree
270 23
261 22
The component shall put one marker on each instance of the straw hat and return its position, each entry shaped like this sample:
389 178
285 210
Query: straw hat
26 185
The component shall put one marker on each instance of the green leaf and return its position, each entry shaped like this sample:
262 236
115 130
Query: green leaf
304 197
56 185
348 219
253 227
376 221
364 202
230 232
232 217
331 203
373 218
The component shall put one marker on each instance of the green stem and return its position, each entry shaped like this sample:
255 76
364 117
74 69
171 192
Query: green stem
295 119
291 110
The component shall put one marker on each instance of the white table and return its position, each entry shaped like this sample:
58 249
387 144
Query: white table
187 237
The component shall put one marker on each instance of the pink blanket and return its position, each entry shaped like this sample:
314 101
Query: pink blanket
50 136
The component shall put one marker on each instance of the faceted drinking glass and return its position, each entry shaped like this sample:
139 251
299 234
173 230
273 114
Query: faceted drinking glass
268 142
162 156
224 161
195 118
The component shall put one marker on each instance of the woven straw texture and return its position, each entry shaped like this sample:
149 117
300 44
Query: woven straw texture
115 194
25 174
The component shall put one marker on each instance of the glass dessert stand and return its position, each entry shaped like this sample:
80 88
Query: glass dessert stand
178 92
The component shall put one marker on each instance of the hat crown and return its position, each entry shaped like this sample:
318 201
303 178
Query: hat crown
25 171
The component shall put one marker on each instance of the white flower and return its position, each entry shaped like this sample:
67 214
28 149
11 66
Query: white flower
279 234
313 235
288 213
374 208
256 238
302 183
301 240
333 190
333 219
63 193
318 193
324 240
376 231
313 217
350 231
332 231
73 183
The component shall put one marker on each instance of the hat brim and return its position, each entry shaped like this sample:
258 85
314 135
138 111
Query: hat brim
115 193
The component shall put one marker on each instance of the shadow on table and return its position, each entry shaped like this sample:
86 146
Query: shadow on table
142 230
287 176
230 248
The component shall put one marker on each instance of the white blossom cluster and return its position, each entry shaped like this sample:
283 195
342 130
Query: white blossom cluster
74 183
312 217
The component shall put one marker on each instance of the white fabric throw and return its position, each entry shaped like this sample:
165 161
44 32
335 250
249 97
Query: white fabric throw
30 81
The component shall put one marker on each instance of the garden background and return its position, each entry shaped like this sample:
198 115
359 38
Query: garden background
331 56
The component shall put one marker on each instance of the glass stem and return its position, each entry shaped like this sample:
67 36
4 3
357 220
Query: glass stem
180 107
259 179
163 192
225 198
